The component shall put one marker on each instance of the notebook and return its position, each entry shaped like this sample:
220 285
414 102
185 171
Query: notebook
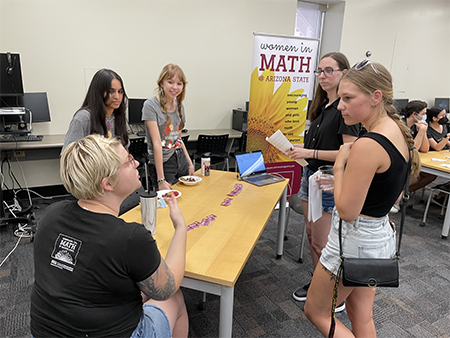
252 169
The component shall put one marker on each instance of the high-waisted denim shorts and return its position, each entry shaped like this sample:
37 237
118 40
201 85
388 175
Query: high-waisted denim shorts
362 238
154 323
327 197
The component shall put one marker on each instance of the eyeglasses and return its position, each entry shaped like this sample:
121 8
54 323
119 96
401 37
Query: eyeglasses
130 160
327 71
363 64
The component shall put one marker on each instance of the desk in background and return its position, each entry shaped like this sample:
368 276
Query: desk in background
50 146
216 254
436 168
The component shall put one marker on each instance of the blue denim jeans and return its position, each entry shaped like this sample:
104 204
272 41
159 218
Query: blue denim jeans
327 197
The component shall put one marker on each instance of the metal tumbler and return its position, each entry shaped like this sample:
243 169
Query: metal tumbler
149 205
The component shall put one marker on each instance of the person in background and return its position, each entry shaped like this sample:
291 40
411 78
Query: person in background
103 110
438 137
326 134
92 269
369 175
414 116
164 118
437 132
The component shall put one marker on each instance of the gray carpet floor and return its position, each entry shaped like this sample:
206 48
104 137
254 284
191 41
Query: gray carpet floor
263 304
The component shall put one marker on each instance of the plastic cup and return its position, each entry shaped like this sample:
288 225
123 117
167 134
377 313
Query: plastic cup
326 177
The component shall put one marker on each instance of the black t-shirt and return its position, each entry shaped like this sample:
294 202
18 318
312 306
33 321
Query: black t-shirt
437 136
325 133
86 268
413 128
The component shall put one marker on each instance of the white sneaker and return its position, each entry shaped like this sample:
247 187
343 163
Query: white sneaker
340 307
395 208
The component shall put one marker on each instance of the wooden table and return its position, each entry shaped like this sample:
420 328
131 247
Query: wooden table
436 168
216 254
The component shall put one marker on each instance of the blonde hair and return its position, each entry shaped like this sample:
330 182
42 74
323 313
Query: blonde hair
367 80
84 164
168 72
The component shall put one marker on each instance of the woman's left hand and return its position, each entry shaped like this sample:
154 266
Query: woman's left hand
297 152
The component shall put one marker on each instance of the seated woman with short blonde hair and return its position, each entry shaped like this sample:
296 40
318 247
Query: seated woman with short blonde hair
91 266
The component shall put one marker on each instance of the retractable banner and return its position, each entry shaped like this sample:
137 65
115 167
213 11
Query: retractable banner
281 84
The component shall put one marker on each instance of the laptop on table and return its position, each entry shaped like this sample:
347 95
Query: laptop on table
253 170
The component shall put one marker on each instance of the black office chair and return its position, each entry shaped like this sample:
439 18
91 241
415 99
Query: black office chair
242 146
185 139
131 201
214 144
138 149
295 203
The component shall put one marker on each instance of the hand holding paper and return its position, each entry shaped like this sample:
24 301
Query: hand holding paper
280 141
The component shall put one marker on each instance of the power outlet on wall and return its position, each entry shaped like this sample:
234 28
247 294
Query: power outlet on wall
19 153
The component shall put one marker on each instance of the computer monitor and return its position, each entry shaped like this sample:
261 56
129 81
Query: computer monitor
400 104
10 75
442 103
135 111
36 105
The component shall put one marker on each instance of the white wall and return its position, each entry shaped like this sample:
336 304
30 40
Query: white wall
411 38
63 43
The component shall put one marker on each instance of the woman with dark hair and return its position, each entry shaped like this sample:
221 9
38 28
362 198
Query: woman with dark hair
414 116
438 136
165 118
103 110
322 141
437 132
369 175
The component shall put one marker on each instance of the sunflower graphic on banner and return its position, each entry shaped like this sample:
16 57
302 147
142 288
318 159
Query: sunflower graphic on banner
281 84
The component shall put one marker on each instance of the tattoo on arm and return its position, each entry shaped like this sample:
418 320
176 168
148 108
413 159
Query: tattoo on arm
152 287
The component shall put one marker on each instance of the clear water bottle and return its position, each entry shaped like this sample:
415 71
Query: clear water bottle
206 164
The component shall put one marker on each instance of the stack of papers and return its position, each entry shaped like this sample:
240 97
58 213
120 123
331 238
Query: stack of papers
280 141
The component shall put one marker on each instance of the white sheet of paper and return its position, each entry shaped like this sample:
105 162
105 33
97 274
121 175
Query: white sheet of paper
280 141
315 199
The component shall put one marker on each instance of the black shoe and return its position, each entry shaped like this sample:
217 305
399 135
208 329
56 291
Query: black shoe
300 294
439 201
443 186
340 307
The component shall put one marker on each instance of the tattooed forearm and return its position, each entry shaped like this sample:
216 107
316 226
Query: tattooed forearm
151 286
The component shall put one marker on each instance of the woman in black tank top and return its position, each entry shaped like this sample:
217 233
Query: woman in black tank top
379 158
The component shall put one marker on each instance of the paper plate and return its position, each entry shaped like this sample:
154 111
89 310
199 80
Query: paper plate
161 193
190 180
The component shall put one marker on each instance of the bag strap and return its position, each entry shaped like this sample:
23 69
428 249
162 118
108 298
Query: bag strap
404 200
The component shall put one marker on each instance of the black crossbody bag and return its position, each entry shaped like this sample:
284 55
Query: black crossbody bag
371 272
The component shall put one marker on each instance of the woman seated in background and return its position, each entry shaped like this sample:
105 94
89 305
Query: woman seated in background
415 118
92 269
437 132
164 118
438 137
103 110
